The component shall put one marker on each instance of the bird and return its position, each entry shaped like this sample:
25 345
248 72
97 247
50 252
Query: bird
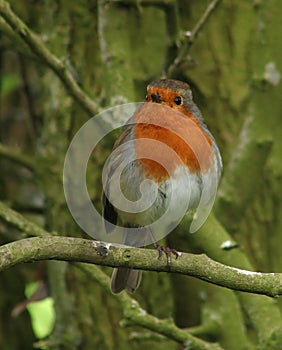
166 156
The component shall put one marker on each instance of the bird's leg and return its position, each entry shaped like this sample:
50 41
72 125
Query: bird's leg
161 249
168 251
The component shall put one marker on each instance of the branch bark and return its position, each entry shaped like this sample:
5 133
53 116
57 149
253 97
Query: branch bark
18 221
48 58
114 255
45 246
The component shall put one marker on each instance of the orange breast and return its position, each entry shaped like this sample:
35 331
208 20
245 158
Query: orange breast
183 135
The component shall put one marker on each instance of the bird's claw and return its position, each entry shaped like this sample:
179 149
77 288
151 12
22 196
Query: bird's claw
168 252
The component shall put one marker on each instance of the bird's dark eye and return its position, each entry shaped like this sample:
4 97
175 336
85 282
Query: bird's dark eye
178 100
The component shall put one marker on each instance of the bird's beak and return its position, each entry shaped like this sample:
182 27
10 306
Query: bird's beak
156 98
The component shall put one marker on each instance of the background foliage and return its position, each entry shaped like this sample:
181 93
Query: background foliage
88 55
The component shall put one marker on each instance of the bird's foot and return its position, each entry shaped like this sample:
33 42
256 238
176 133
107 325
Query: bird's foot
168 252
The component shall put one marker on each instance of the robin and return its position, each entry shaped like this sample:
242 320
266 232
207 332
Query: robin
169 162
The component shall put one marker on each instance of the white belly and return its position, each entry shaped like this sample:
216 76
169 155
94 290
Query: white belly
140 201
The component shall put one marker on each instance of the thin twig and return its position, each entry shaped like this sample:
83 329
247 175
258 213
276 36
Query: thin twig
41 51
17 157
191 36
202 21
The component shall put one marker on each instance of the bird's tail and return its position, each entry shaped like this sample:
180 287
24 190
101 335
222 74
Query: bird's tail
125 278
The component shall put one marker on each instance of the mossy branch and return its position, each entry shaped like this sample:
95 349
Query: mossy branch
115 255
134 315
45 246
17 157
36 46
15 219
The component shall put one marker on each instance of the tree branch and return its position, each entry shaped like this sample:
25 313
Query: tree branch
18 221
101 253
191 36
134 315
17 157
41 51
74 249
114 255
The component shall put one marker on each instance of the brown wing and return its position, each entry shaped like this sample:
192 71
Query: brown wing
109 211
